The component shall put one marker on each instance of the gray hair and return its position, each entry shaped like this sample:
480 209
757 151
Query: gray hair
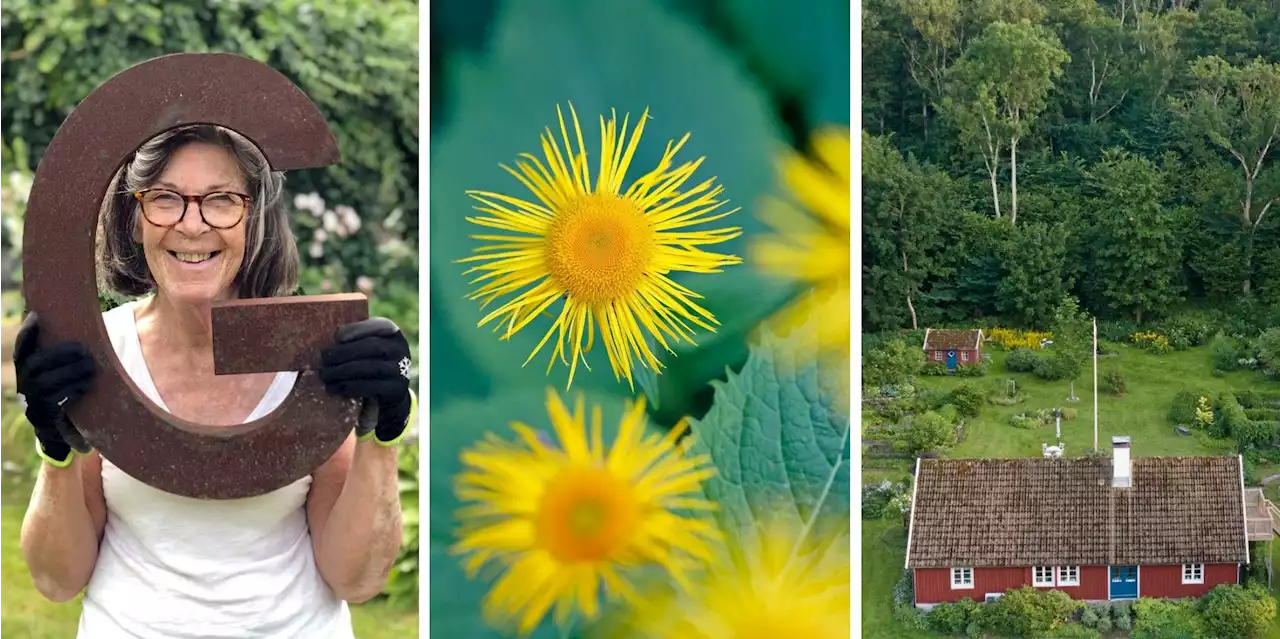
271 263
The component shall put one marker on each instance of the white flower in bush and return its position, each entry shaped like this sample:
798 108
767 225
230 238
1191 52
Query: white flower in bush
365 284
349 218
316 250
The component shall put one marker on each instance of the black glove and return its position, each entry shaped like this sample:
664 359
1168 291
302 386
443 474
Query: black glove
371 361
51 379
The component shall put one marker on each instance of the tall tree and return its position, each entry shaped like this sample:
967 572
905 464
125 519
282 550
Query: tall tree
903 204
1136 257
1033 264
1237 108
996 90
1072 338
943 28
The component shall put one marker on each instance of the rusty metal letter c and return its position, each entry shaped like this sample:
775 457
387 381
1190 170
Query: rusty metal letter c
59 279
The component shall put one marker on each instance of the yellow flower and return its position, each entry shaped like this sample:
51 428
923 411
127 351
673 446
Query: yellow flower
607 253
562 520
813 247
774 586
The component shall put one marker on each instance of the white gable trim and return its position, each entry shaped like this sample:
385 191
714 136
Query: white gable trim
911 520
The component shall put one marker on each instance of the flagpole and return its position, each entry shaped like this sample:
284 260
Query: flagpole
1095 384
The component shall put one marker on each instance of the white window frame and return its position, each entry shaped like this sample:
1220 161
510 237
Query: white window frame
964 356
1042 576
1192 573
962 573
992 596
937 356
1069 575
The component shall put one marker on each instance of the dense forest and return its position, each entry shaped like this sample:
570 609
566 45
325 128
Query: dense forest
1126 152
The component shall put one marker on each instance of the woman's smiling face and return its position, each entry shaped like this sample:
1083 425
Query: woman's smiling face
191 261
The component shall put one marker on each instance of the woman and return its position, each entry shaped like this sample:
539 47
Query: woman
196 216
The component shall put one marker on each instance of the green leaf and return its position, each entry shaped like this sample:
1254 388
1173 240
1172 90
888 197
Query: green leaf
455 599
627 55
779 436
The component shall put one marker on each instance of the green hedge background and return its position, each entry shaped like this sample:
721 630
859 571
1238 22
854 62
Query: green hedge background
358 61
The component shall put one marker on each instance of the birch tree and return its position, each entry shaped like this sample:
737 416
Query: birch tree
995 92
1237 109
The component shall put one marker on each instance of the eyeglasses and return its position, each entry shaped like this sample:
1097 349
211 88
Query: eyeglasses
220 210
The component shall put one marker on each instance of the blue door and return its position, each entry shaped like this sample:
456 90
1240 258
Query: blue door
951 360
1124 582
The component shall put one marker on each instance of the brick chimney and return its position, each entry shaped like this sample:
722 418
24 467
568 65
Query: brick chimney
1122 467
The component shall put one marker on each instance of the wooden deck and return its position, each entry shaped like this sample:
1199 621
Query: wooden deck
1262 518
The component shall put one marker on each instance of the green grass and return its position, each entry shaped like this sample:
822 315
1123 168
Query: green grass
1142 414
28 614
884 549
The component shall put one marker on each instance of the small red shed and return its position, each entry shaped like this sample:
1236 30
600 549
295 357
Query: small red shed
953 347
1097 529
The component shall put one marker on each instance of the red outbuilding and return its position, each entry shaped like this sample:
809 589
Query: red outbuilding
953 347
1098 529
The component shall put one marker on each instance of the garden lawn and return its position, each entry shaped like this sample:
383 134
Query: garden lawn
1142 414
884 549
27 614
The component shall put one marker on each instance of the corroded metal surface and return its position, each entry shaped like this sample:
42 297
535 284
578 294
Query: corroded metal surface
58 269
293 330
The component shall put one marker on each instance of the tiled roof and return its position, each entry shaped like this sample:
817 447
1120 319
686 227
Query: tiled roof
942 339
1053 512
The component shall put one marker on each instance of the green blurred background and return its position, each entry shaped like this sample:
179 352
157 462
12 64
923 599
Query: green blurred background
747 79
356 222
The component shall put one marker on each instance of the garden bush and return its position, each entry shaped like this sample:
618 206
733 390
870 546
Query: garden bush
952 618
1022 360
1116 330
1263 414
1151 342
930 431
935 369
893 363
1159 619
968 399
1089 616
1186 330
1021 420
1228 353
1113 384
1122 615
1069 414
1235 611
1028 612
1268 349
1053 368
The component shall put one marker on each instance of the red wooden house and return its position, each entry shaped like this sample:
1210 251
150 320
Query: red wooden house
1097 529
953 347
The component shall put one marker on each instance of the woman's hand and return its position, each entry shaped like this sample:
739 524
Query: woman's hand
370 360
51 379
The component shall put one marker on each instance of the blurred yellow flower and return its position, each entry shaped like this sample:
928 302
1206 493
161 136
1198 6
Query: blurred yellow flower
813 247
564 519
776 585
607 253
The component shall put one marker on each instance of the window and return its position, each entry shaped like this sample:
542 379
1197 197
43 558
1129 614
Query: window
1042 576
961 578
964 356
937 356
992 596
1192 573
1069 575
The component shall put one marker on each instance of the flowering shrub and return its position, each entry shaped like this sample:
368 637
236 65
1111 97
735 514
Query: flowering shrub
1151 342
1010 339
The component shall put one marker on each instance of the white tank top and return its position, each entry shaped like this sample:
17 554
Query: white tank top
172 567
